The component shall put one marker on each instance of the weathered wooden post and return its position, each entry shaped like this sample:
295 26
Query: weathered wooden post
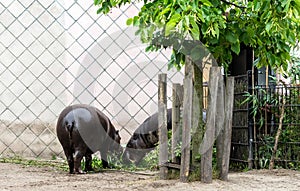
162 125
224 138
206 148
220 120
186 121
229 95
177 96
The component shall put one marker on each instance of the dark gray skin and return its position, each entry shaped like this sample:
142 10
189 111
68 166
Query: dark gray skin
145 138
83 130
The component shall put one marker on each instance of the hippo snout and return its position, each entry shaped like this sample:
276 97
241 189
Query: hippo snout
125 157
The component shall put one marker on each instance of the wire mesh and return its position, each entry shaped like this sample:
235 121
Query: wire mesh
56 53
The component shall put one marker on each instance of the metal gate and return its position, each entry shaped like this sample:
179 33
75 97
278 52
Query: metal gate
253 135
240 131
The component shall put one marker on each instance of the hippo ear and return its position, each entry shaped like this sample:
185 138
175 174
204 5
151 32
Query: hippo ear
153 137
117 134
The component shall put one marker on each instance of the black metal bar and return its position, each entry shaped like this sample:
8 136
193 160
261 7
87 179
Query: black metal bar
250 123
240 110
240 127
240 144
238 160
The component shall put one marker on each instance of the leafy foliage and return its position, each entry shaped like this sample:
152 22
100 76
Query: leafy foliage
271 27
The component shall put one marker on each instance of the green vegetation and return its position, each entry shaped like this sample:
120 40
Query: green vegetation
36 163
270 27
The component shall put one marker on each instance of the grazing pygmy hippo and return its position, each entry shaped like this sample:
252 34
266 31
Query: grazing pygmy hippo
82 130
145 138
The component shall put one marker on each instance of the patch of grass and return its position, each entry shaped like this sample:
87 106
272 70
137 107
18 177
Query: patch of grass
36 163
150 161
113 160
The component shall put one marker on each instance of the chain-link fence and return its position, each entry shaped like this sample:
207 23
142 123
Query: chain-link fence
56 53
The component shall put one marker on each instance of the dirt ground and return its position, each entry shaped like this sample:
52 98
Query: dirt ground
19 177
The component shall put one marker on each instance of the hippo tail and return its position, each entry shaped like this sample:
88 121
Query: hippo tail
69 128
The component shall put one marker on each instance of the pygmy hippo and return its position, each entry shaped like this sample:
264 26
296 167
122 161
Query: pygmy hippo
145 138
82 130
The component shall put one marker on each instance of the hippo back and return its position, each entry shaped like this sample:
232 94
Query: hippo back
93 127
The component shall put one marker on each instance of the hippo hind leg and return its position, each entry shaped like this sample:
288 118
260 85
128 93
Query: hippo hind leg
77 162
69 155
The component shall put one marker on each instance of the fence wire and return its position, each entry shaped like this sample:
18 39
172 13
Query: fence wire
56 53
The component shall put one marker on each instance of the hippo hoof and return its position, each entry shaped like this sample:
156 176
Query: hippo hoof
79 172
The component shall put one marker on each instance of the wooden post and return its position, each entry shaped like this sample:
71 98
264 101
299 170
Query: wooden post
228 127
224 138
177 97
206 148
220 119
186 121
162 125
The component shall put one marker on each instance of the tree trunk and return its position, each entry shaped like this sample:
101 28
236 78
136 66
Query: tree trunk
272 161
198 129
186 121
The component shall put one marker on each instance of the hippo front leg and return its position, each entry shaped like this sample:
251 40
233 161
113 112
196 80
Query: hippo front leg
103 153
104 161
88 162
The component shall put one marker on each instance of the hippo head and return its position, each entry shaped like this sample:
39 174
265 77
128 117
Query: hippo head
138 146
115 143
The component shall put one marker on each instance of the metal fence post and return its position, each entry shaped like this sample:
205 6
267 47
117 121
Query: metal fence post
250 122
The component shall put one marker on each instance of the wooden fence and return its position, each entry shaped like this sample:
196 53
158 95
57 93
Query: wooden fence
218 125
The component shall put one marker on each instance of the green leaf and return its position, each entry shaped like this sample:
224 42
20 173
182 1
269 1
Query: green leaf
236 48
164 11
136 21
169 27
230 37
172 23
216 26
200 15
265 6
271 58
215 3
195 29
245 38
97 2
149 48
129 21
268 26
291 37
257 5
207 3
